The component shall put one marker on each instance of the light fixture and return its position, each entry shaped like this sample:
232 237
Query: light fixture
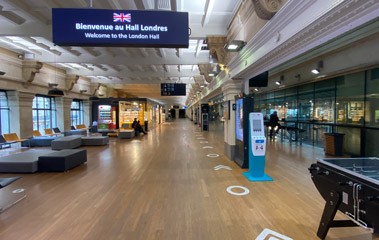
279 82
94 98
234 46
317 70
256 89
55 92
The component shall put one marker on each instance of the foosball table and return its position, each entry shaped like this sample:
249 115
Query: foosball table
350 185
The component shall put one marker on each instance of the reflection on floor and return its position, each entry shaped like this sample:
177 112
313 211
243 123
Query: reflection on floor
164 186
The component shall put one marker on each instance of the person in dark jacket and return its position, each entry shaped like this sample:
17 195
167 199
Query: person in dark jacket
138 128
274 122
134 123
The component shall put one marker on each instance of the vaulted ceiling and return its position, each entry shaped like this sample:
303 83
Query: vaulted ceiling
26 28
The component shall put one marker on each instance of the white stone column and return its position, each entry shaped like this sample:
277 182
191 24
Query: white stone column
87 105
63 113
230 89
20 113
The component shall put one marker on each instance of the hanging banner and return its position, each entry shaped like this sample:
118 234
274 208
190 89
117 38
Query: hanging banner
120 28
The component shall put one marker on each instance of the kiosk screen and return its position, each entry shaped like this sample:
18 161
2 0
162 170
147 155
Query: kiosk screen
257 125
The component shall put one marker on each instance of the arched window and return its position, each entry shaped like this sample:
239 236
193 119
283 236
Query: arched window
4 113
44 112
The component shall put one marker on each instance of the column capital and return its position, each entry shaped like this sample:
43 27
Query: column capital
231 87
30 69
71 80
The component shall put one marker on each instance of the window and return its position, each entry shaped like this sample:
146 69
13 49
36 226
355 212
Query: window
4 113
350 98
44 113
372 98
77 112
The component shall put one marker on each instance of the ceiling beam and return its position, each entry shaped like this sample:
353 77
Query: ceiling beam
19 46
26 9
11 16
160 52
41 45
207 12
174 6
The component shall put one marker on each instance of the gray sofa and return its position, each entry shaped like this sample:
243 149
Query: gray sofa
68 142
24 162
95 140
61 161
38 142
82 132
126 134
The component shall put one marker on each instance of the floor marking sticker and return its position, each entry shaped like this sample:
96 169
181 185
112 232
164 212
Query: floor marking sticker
18 190
246 191
213 155
218 167
207 147
272 235
203 141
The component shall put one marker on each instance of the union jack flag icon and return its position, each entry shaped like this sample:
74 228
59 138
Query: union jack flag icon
122 17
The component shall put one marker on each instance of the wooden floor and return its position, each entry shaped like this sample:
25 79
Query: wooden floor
163 186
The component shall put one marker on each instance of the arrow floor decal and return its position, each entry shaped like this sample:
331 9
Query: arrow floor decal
218 167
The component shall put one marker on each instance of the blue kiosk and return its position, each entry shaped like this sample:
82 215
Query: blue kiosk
257 149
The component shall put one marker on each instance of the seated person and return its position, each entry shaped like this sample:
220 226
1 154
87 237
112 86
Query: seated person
138 128
134 123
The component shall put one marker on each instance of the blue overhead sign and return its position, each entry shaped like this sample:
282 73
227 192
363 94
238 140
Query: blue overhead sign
120 28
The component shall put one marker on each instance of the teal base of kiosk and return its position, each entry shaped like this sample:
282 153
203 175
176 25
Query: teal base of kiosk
250 177
256 163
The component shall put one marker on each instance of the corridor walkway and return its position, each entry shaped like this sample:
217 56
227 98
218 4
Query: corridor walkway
163 186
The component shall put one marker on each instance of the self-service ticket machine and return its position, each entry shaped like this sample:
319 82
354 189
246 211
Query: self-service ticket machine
257 149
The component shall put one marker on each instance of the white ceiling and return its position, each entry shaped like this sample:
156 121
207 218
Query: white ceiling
26 28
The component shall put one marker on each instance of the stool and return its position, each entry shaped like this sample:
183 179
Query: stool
5 182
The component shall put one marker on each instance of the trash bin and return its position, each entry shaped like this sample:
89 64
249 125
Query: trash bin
333 143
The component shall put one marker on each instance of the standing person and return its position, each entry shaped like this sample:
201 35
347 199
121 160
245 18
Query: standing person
134 123
138 128
274 122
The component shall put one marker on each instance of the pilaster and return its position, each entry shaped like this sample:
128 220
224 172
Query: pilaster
63 105
20 113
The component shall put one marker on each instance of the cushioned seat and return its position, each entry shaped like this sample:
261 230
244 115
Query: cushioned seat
95 140
6 181
61 161
68 142
38 142
24 162
126 133
82 132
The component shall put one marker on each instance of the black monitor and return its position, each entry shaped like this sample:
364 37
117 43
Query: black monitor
260 80
173 89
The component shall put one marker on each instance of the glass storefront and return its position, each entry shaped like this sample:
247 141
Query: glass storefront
130 110
346 104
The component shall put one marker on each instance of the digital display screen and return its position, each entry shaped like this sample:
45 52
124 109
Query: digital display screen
257 125
126 28
239 119
173 89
